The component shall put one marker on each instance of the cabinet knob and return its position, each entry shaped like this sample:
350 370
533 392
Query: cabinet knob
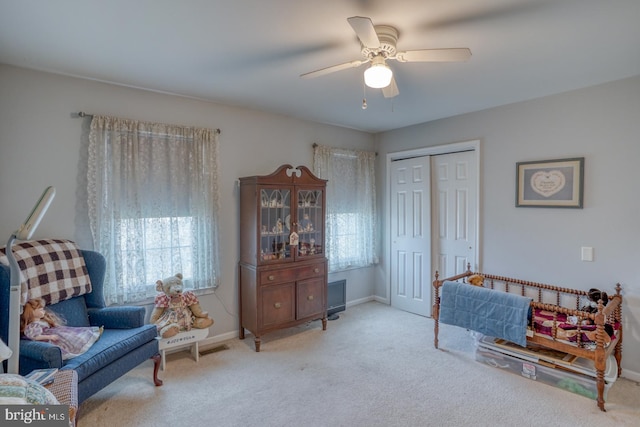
272 277
310 297
277 305
316 270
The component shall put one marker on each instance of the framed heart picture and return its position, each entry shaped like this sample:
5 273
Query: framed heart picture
550 183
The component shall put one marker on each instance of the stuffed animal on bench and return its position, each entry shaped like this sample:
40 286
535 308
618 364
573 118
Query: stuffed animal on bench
176 310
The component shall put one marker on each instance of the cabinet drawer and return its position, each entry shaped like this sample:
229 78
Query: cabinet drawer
278 276
313 270
291 274
278 304
310 297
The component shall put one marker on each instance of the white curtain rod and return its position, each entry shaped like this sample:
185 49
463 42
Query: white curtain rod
314 145
82 114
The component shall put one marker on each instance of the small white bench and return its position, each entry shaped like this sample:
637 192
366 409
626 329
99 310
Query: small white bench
187 338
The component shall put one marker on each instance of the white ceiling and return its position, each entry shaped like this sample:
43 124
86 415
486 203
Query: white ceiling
250 53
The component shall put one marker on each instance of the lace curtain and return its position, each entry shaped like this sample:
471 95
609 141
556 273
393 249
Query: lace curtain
351 206
153 205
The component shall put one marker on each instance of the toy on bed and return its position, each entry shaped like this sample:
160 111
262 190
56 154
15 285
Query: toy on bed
574 328
576 322
475 280
595 295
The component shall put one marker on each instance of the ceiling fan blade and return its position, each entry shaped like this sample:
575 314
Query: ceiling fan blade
391 90
365 31
434 55
334 68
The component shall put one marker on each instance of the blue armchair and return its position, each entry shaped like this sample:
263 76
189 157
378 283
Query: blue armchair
125 343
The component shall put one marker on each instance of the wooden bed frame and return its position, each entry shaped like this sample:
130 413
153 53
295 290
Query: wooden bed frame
562 298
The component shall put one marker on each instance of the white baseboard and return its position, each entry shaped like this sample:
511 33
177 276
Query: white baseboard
212 341
360 301
630 375
382 300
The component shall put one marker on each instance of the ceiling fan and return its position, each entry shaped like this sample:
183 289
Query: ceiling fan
378 45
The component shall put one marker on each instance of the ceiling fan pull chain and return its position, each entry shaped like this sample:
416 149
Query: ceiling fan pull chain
364 95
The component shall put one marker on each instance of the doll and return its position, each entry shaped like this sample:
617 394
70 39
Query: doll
38 324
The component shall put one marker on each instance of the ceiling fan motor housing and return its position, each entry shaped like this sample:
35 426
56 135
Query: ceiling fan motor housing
388 37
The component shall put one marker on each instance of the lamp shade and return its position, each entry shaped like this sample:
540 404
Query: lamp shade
378 75
5 352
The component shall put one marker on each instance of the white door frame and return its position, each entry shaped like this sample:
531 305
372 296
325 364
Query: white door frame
430 151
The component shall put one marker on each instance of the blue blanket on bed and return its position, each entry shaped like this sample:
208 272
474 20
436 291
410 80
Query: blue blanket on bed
494 313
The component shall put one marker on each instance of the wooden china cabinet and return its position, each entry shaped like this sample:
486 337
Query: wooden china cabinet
283 267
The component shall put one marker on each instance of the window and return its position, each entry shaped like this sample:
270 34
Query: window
160 255
153 205
351 215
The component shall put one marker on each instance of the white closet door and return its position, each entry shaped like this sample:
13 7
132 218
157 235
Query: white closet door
411 235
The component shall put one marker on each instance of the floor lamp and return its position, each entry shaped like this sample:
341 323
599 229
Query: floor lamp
24 232
5 353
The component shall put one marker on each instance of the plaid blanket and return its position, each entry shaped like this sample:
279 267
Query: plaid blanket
51 269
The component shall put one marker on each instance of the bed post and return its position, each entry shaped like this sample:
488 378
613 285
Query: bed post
600 360
618 318
436 310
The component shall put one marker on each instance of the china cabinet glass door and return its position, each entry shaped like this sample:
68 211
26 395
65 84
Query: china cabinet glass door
275 221
310 222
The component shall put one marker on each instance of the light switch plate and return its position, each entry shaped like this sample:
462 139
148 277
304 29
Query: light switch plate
587 253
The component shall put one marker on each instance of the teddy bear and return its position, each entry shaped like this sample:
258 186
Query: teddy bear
177 310
476 280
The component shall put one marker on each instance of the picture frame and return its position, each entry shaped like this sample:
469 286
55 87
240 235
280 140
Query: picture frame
550 183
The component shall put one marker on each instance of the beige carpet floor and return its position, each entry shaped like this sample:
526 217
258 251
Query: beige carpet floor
375 366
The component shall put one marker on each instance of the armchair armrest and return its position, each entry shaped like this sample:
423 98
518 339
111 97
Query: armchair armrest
126 317
42 353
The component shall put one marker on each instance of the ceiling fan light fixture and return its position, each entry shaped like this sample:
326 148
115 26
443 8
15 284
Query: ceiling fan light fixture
378 75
